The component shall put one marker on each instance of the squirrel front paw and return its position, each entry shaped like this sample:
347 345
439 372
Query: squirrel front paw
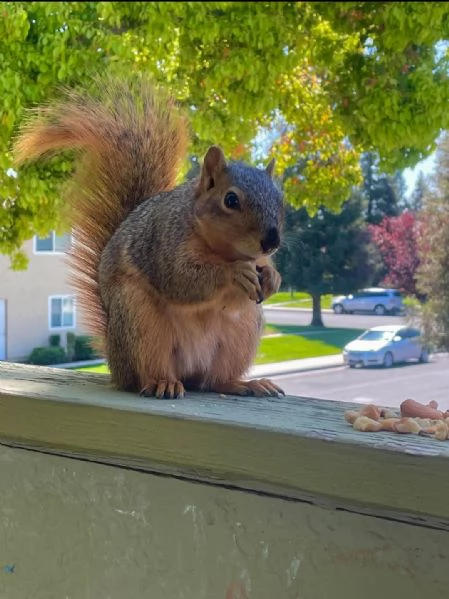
163 389
256 387
245 276
270 281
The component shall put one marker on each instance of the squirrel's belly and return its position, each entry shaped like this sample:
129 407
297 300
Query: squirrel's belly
202 337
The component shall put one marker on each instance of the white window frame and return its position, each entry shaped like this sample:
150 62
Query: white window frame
63 327
51 252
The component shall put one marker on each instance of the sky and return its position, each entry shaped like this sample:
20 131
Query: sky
410 175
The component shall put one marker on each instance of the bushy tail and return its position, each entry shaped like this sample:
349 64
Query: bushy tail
132 141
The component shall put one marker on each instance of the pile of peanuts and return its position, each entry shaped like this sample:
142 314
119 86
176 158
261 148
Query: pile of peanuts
415 418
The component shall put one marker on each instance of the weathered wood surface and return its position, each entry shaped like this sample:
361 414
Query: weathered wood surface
296 448
71 529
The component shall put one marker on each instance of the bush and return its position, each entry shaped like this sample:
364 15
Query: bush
84 349
55 340
71 338
44 356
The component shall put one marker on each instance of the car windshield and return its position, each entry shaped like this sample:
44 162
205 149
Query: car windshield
377 336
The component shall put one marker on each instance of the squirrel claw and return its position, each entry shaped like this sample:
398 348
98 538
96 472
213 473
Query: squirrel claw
255 387
163 389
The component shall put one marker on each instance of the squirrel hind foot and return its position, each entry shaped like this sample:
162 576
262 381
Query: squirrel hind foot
255 387
163 389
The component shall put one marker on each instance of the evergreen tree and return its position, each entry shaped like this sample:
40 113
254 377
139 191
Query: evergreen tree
383 192
326 253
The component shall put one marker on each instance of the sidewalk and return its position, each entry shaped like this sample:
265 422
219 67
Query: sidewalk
291 366
294 309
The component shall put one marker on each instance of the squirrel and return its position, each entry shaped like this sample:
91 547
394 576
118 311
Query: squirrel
170 275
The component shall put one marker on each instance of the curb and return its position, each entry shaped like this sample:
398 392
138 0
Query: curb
69 365
297 370
295 366
280 307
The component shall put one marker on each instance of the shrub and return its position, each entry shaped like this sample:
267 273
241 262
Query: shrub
55 340
44 356
84 349
70 339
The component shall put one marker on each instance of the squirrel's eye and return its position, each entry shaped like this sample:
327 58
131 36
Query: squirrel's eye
231 201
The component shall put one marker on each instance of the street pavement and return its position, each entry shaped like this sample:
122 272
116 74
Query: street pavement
386 387
303 317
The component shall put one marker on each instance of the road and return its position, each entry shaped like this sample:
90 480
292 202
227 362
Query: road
294 316
421 382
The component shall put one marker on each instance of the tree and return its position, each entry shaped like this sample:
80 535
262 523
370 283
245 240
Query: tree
397 238
380 190
433 273
351 76
326 253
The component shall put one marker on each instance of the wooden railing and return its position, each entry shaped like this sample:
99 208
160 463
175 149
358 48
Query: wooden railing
108 496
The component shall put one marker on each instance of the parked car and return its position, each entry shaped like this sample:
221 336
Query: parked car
374 299
385 346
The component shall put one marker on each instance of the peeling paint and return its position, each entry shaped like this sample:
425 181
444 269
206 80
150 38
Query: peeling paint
292 571
265 549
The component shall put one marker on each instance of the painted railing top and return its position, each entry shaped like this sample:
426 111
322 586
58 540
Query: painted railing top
298 448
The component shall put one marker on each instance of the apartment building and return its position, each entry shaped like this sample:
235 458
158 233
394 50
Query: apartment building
37 302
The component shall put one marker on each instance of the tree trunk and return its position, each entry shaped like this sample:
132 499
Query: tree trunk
317 321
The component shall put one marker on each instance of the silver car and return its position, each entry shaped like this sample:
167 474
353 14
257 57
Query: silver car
385 346
374 299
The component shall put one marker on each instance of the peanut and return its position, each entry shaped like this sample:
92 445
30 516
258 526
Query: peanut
425 422
366 425
388 424
441 431
351 416
387 413
414 409
407 425
370 411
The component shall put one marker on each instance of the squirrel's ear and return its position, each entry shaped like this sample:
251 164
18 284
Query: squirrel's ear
270 167
214 162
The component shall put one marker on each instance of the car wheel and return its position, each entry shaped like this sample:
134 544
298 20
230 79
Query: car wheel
379 310
424 357
388 360
338 309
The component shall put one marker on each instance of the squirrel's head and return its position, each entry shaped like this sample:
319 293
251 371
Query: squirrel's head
239 211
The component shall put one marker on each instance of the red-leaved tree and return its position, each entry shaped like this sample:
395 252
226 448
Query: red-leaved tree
397 239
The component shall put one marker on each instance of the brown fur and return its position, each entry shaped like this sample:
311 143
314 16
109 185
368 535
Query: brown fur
170 281
179 343
127 156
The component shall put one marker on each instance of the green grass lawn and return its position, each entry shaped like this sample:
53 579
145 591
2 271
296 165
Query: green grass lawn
293 343
297 300
303 342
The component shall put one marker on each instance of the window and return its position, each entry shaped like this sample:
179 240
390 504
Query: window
413 333
377 336
61 312
52 244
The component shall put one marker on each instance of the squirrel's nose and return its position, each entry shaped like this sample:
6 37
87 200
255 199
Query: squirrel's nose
271 240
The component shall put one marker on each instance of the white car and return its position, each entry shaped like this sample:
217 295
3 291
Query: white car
378 300
385 346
